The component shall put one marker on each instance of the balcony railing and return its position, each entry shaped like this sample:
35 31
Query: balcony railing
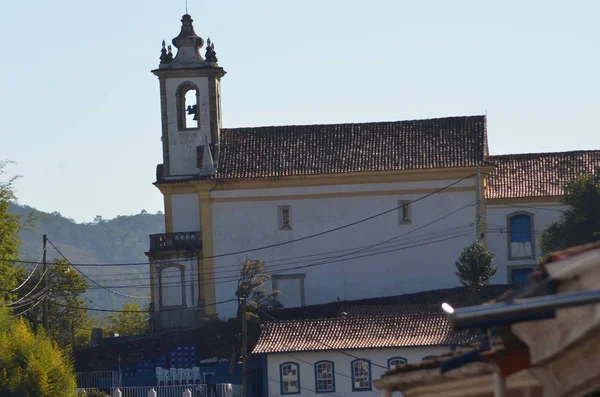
176 241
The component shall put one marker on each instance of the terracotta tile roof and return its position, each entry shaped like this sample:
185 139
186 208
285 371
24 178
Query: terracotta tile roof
359 333
457 297
538 174
402 309
270 152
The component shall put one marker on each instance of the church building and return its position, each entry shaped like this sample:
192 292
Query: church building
338 211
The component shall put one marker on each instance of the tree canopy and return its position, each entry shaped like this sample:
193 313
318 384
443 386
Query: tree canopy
580 224
10 226
31 365
475 267
67 310
131 320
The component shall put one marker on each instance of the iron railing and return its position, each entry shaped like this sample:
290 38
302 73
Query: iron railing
176 241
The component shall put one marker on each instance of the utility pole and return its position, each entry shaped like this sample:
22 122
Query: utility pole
45 276
478 204
244 350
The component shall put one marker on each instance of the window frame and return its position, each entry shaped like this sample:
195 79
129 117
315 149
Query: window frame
161 285
281 210
404 212
332 364
281 381
510 269
370 375
509 217
389 361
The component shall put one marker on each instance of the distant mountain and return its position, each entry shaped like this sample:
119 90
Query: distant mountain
123 239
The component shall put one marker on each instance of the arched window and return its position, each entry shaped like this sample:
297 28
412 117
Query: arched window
290 378
324 377
520 228
521 244
188 110
396 361
361 375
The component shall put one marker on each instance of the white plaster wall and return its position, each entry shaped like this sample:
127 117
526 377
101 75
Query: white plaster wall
244 225
185 210
182 144
342 365
497 236
172 282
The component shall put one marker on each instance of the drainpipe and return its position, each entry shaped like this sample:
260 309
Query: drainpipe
499 384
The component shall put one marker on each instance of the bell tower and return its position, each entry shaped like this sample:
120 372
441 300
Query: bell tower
181 265
190 105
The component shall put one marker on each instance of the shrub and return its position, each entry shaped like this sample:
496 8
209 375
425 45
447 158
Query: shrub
31 365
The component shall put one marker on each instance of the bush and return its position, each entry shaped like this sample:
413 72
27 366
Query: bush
31 365
93 393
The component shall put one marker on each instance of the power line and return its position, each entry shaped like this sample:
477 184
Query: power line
318 341
135 311
88 278
363 248
439 190
229 279
32 272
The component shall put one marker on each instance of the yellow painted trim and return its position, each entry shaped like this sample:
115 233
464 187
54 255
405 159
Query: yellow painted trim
340 194
168 212
207 268
152 284
326 180
526 200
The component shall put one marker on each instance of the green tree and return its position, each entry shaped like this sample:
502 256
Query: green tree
67 309
475 268
31 365
131 320
251 286
580 224
10 226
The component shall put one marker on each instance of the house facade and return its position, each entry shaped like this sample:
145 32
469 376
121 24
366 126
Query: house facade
332 210
342 356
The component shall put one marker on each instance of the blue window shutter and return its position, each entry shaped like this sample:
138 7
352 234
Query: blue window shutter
520 229
519 276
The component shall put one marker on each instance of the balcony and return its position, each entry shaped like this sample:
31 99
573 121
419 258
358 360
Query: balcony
176 241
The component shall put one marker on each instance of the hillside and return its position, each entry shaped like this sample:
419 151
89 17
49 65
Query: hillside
123 239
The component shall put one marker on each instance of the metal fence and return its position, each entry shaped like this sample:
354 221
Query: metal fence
219 390
97 380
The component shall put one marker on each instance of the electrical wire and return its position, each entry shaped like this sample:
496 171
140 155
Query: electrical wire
229 279
318 341
439 190
94 282
136 311
311 364
32 272
235 275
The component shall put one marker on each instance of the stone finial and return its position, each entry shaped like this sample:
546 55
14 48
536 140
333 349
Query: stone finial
211 55
163 53
188 44
170 54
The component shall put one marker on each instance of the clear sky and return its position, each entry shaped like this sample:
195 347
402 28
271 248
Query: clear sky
79 108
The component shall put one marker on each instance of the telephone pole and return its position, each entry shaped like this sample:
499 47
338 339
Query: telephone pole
478 204
45 276
244 350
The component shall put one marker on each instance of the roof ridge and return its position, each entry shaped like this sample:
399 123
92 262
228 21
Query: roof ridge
356 123
532 154
350 318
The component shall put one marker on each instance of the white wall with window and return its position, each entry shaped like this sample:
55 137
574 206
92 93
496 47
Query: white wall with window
512 235
425 237
335 372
